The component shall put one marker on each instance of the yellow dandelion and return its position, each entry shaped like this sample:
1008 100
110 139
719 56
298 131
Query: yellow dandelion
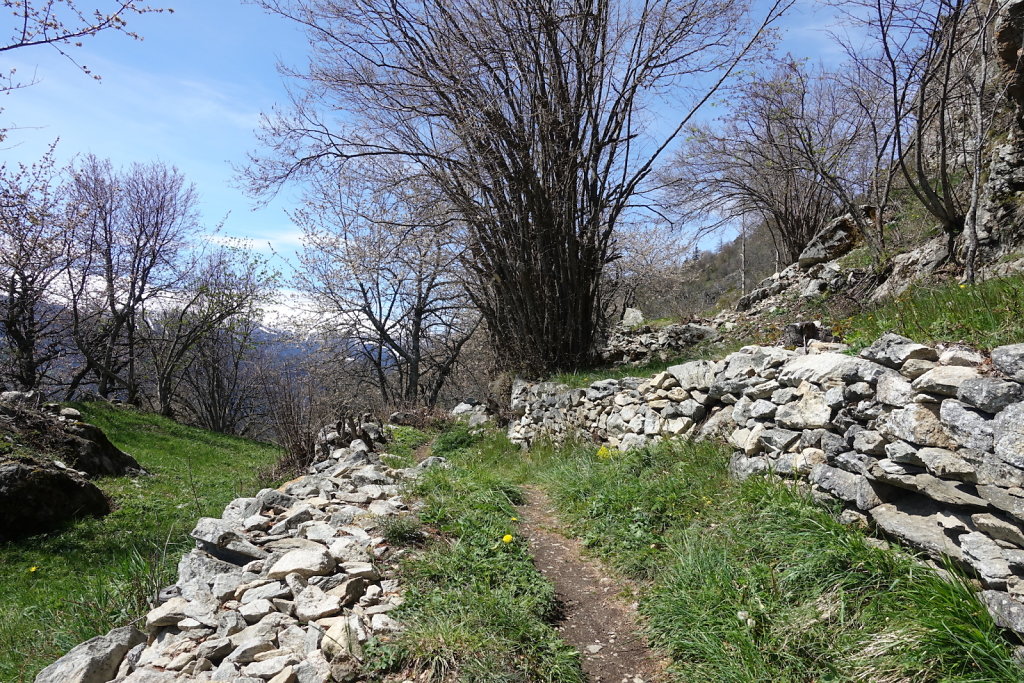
514 519
33 569
963 286
507 538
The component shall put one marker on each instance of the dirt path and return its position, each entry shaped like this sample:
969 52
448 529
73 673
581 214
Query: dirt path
596 619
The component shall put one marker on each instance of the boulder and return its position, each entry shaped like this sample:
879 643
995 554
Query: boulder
40 497
94 661
835 239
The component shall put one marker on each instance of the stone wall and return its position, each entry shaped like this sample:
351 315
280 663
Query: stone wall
285 587
927 444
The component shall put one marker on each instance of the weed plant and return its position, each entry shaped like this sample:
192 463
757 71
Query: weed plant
62 588
753 582
475 607
984 315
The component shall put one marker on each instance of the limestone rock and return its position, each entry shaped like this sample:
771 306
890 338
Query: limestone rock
989 394
305 563
1008 435
810 412
986 558
944 380
847 486
893 350
94 661
970 428
693 375
1010 360
832 241
1006 612
917 423
312 604
921 524
222 540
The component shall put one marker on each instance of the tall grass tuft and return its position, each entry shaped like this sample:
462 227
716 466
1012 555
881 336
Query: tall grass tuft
984 315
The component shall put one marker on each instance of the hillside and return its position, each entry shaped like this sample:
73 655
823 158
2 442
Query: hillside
67 586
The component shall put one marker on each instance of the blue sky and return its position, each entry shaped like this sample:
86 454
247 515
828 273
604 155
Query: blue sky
190 94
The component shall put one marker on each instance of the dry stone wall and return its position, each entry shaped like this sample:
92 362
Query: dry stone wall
925 443
286 587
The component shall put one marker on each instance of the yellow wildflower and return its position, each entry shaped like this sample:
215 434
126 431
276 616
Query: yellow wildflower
32 569
604 453
507 538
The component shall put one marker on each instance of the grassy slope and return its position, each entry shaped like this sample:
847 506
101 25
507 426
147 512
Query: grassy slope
984 315
62 588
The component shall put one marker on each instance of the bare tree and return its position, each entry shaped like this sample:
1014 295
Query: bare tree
32 245
222 384
530 116
932 58
752 163
61 25
133 227
385 267
217 289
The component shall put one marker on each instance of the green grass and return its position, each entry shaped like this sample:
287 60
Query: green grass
753 582
62 588
475 607
984 315
403 443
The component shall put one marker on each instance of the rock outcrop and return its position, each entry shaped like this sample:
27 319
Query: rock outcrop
58 433
925 443
37 497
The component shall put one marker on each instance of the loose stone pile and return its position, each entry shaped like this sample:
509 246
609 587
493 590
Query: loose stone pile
285 587
635 345
925 443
